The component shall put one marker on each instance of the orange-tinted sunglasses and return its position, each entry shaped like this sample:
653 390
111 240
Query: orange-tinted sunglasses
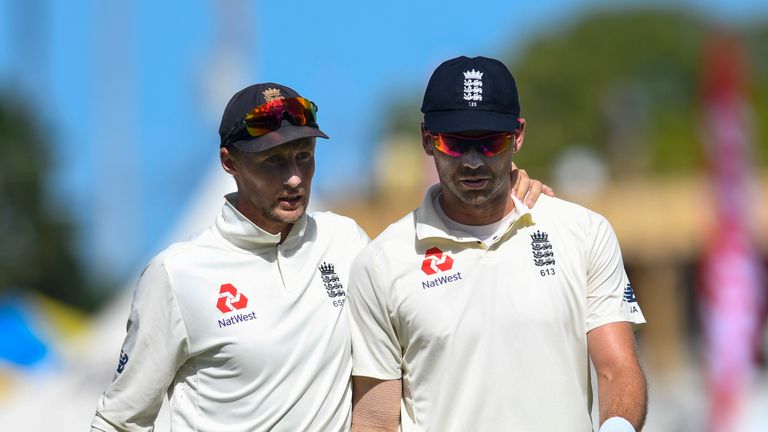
268 117
456 145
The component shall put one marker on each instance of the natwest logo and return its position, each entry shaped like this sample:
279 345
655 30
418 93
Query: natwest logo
230 299
435 261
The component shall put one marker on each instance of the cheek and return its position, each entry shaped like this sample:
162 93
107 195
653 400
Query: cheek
258 178
308 171
502 167
445 165
256 183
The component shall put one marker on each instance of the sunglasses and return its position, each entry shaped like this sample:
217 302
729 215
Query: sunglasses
268 117
456 145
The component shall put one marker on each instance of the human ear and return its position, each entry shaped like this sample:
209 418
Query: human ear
227 161
519 135
426 141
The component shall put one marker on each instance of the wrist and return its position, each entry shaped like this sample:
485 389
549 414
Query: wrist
617 424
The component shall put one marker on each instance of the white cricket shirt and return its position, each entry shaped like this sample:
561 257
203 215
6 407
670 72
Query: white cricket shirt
489 337
243 333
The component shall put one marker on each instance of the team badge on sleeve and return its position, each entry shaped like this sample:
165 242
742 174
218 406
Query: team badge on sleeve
629 303
121 363
629 294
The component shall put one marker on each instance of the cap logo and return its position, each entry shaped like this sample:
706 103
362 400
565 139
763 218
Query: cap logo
473 87
271 94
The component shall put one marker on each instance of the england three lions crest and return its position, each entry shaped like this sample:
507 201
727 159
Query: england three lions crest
331 280
541 249
473 87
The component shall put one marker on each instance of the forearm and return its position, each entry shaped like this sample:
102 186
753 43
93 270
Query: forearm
620 381
623 394
375 404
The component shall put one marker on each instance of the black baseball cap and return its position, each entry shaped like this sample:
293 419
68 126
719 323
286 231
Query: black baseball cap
465 94
249 98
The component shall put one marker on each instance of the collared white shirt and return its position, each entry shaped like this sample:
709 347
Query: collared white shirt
243 333
489 336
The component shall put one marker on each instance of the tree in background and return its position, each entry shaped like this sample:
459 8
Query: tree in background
626 84
35 238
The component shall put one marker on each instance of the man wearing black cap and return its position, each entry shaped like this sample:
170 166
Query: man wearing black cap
243 326
479 312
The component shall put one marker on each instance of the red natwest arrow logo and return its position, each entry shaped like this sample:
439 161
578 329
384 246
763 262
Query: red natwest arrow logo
230 299
435 261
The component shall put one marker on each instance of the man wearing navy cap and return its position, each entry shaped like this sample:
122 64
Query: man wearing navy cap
479 313
243 326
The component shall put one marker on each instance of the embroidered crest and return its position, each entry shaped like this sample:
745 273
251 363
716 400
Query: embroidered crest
271 94
473 86
331 280
542 249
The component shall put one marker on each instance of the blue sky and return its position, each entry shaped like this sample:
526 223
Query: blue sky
124 88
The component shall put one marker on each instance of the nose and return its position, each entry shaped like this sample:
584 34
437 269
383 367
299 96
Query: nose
473 158
293 178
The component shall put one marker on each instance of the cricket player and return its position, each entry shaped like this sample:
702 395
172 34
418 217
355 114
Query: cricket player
478 313
243 326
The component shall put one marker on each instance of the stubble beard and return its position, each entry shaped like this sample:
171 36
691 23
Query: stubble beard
476 198
273 213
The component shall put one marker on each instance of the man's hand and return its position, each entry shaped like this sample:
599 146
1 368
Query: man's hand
526 187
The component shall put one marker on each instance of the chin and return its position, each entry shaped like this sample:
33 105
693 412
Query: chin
474 197
289 216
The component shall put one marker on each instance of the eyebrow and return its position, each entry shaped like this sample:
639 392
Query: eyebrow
278 151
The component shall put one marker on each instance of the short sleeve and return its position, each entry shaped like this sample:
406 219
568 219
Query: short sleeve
155 346
375 349
610 297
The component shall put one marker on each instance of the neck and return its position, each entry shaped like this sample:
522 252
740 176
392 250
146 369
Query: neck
258 219
491 210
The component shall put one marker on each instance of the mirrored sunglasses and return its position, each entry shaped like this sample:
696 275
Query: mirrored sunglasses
456 145
268 117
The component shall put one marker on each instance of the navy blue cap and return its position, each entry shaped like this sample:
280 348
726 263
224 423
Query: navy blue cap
249 98
471 94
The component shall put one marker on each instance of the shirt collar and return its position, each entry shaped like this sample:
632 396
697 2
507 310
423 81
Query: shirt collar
244 234
429 224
